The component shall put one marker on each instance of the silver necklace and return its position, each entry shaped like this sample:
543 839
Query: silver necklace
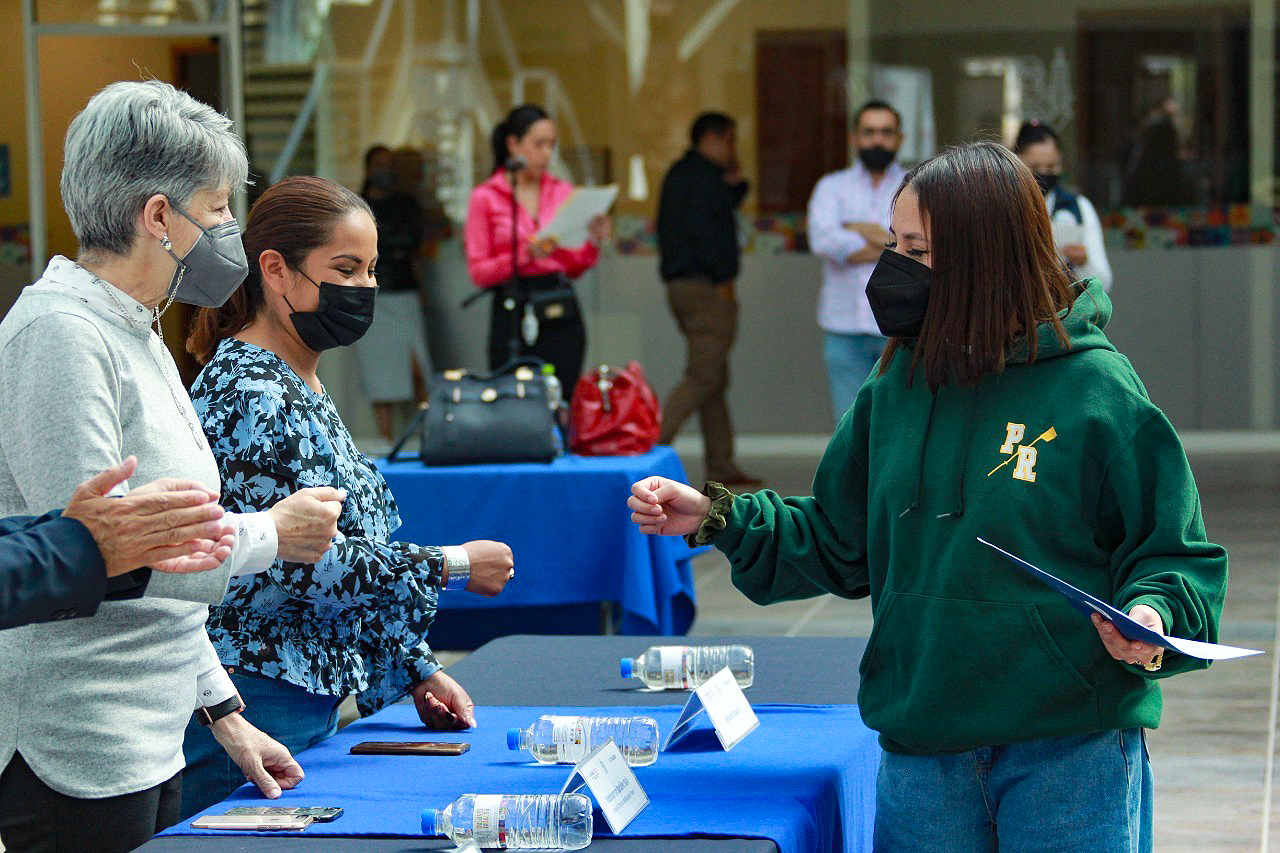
154 323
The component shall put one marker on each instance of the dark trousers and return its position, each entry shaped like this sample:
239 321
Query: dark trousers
561 343
34 818
707 315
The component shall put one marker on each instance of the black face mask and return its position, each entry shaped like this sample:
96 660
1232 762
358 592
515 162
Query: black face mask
1047 182
341 318
898 291
876 158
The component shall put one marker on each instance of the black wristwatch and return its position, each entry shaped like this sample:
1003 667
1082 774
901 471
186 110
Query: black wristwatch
210 715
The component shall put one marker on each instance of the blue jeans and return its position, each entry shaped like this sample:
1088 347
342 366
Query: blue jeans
1087 792
849 361
290 714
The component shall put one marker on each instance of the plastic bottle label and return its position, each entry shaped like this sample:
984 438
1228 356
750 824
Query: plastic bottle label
672 660
489 821
569 737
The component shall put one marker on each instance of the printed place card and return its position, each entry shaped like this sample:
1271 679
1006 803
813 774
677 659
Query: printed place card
725 705
613 784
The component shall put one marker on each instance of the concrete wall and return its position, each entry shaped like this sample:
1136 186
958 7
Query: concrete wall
1187 319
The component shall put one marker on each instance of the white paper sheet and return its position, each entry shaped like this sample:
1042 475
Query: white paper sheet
569 226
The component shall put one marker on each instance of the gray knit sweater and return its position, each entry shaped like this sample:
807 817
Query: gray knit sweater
97 706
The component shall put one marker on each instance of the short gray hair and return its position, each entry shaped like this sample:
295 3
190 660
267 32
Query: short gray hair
134 140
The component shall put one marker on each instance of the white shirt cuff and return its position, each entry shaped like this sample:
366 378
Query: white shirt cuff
256 534
213 687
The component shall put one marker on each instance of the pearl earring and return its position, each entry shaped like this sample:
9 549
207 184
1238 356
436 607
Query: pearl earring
165 244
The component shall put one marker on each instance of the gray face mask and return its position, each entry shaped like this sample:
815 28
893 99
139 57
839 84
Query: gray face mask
215 266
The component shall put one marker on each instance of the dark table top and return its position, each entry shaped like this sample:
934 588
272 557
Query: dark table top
302 844
583 671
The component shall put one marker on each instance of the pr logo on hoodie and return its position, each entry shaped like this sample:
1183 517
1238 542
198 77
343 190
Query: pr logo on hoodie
1024 454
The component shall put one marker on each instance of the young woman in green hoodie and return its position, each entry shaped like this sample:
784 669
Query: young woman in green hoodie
999 410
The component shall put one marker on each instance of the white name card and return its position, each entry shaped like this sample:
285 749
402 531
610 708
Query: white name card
725 705
612 782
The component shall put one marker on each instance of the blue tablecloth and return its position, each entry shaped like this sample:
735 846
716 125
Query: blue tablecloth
805 778
568 525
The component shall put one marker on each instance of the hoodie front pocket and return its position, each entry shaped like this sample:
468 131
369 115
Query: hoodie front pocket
945 675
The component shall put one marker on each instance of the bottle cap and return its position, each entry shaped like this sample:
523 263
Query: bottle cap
627 667
513 738
431 822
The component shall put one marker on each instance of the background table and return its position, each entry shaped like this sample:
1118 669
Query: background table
800 670
789 670
574 544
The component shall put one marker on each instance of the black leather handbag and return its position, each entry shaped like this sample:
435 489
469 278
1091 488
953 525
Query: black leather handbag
550 296
478 419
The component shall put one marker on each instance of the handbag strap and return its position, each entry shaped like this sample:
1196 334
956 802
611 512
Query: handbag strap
412 429
504 369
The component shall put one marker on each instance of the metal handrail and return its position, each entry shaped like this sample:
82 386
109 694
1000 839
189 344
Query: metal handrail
319 78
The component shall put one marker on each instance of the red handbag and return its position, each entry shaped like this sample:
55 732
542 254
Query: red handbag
614 413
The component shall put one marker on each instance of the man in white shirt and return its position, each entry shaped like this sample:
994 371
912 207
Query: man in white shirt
848 229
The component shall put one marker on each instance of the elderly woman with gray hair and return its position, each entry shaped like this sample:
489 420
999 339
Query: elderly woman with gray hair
92 712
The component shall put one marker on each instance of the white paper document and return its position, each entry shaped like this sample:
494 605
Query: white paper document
725 705
1067 232
612 782
1134 630
569 226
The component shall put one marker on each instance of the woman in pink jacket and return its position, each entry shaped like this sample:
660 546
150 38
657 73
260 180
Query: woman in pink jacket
538 314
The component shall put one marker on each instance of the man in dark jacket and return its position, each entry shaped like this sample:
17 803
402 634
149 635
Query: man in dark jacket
64 564
698 244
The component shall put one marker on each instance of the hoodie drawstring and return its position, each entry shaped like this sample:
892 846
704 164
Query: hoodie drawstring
924 444
958 510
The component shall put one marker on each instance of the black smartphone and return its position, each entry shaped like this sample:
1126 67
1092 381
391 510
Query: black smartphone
384 747
320 814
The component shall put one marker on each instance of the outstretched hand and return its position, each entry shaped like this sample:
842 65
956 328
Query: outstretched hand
170 525
660 505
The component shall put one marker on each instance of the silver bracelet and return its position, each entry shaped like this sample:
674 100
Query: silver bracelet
455 557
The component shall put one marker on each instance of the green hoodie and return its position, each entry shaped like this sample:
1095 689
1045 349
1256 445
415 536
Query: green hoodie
1065 462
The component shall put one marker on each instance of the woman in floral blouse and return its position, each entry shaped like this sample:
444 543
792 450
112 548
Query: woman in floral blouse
298 638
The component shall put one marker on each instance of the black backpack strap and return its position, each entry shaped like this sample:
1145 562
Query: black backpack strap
414 428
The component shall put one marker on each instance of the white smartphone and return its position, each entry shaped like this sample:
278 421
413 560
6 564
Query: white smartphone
253 823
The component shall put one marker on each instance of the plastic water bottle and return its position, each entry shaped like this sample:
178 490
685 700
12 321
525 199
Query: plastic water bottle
555 391
687 667
514 821
555 402
567 740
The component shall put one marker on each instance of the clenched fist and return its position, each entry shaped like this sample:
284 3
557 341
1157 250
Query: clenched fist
306 523
491 566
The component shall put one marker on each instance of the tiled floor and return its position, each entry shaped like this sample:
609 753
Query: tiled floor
1208 754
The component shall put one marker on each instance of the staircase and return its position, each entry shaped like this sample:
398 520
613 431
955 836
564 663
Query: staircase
274 93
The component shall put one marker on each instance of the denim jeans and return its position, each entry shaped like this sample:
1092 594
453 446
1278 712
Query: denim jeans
849 361
1082 793
290 714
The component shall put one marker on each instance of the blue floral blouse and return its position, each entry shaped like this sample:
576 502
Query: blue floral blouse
357 620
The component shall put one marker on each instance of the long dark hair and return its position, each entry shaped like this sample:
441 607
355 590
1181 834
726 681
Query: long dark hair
996 275
294 217
517 124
